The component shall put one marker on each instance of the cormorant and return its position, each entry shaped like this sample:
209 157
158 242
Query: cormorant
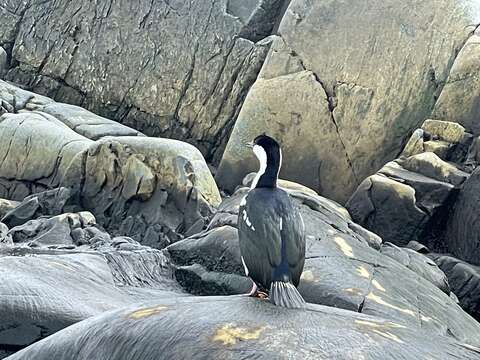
271 231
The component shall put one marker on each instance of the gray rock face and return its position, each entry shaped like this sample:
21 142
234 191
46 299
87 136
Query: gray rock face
352 115
241 327
460 99
464 280
121 60
463 229
156 189
342 269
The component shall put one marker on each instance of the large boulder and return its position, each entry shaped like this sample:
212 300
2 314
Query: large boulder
239 328
361 108
121 60
460 98
463 228
408 199
343 268
156 189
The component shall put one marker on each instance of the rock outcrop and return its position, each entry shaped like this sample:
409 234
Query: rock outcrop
121 60
348 96
411 197
156 189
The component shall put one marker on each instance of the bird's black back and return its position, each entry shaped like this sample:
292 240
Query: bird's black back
271 236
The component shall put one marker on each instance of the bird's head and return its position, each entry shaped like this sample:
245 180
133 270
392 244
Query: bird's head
269 154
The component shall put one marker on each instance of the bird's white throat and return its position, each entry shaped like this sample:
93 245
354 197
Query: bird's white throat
262 158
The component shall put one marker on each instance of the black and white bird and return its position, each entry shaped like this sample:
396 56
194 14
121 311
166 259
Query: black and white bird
271 231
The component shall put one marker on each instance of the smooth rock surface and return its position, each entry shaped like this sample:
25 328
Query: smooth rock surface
242 327
342 269
460 97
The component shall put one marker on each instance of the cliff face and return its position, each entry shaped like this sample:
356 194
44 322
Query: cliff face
346 80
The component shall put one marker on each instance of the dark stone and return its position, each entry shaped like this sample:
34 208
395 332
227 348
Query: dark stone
464 280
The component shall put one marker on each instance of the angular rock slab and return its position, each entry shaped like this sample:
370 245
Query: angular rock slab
239 327
342 269
176 70
369 103
408 199
463 228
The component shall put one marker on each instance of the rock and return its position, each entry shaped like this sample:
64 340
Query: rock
58 231
448 140
342 269
408 199
459 100
241 327
356 113
3 62
133 185
464 280
463 229
158 182
15 99
5 237
43 291
78 53
86 123
419 264
286 102
50 202
6 206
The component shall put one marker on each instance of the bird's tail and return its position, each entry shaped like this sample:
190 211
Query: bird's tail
285 294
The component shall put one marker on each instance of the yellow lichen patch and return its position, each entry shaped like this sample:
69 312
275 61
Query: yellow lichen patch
229 334
146 312
363 272
388 335
354 291
377 325
343 245
380 301
308 276
377 285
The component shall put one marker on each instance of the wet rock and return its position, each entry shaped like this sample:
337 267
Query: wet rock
354 114
464 280
43 291
241 327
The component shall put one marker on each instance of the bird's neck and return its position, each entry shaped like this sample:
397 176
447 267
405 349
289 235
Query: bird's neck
267 175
